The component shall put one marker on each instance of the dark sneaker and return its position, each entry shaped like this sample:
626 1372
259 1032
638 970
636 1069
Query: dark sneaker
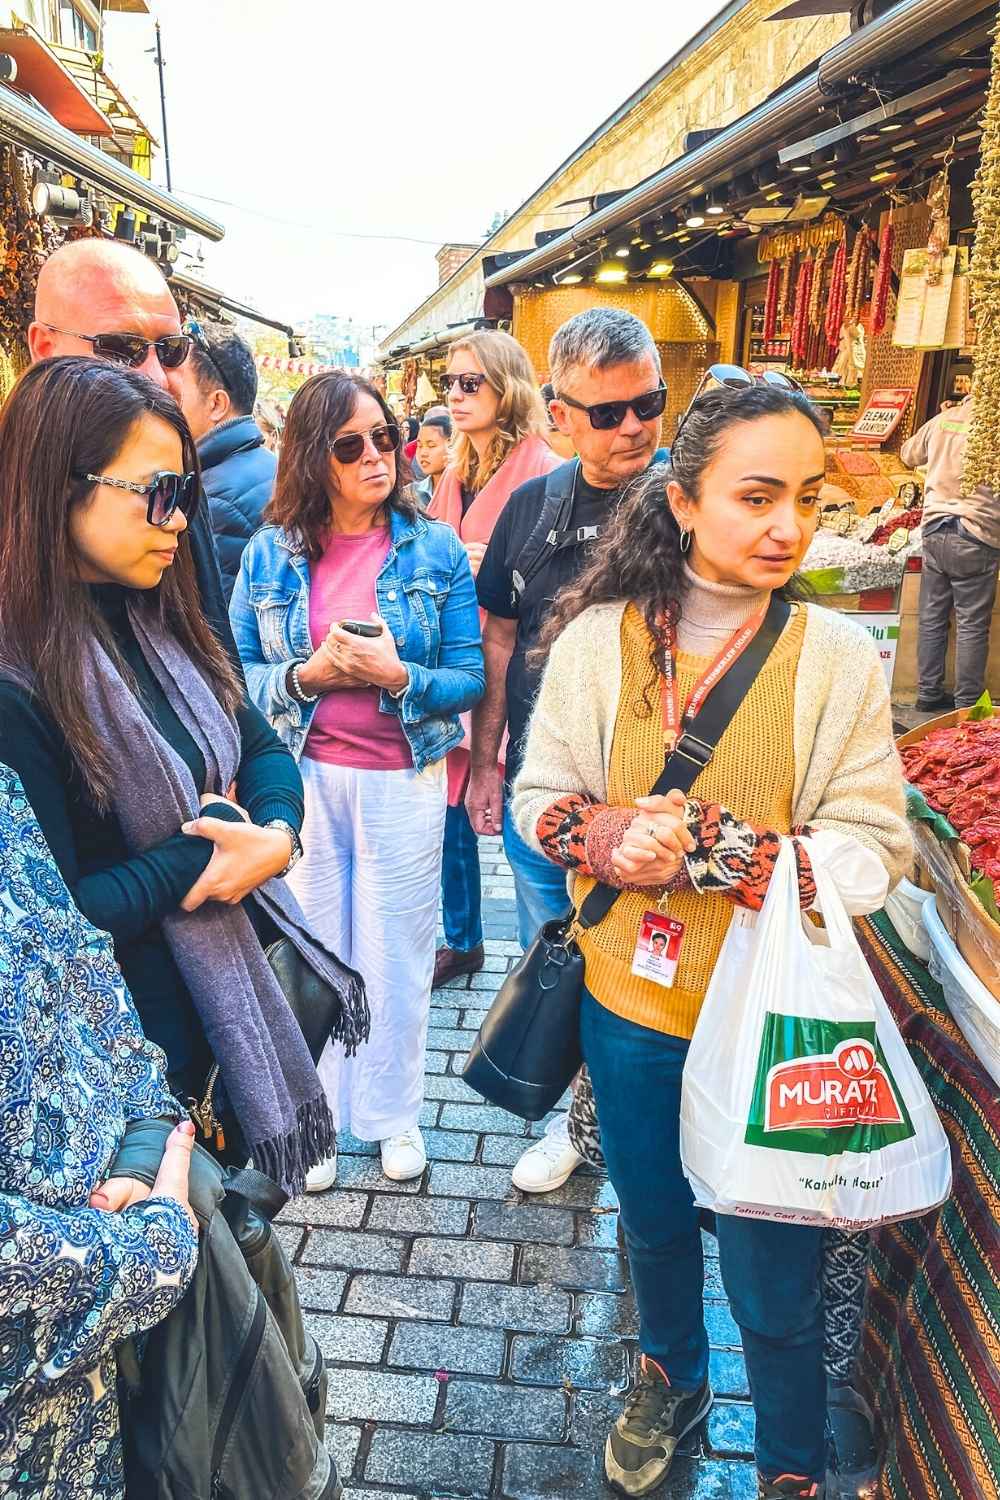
789 1487
943 705
641 1444
449 963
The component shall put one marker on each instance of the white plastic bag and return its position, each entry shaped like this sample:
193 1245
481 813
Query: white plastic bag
800 1101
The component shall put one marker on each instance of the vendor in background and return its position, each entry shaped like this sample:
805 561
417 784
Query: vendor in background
961 561
432 451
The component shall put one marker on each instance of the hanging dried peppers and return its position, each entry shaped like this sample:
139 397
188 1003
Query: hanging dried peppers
982 456
836 302
883 278
800 318
771 301
857 276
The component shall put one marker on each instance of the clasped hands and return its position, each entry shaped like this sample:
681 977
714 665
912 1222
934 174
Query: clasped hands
346 660
655 842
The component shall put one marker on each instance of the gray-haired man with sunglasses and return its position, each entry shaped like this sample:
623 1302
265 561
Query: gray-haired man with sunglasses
609 400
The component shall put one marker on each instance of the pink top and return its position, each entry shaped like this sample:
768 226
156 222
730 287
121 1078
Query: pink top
347 728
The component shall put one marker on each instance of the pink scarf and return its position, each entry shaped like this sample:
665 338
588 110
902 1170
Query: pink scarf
531 459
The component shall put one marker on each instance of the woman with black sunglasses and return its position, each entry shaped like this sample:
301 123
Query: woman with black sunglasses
167 800
357 623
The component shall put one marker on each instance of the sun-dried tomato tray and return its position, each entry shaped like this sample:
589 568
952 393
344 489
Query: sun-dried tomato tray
946 867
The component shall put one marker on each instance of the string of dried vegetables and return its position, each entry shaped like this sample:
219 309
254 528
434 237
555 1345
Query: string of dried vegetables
785 294
800 318
982 456
23 248
836 301
771 300
816 296
883 278
858 274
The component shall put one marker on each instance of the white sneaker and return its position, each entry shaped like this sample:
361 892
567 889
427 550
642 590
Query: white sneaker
550 1162
403 1156
322 1176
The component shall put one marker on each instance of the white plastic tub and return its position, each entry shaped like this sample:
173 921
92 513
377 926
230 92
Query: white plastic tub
974 1009
904 908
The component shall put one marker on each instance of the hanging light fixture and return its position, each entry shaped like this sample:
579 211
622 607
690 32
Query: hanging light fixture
660 270
65 205
714 206
694 218
622 252
610 271
125 226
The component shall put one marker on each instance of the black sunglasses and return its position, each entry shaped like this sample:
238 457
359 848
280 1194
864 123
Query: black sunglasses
165 493
604 415
132 349
468 384
735 378
349 448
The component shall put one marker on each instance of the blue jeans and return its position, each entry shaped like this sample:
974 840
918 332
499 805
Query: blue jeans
771 1272
539 885
461 892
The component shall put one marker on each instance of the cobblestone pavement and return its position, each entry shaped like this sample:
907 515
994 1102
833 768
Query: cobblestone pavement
477 1339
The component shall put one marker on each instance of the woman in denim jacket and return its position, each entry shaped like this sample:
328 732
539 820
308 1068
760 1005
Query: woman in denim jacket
372 718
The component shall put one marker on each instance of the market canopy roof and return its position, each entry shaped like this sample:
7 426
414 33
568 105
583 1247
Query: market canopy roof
939 56
42 75
25 124
218 302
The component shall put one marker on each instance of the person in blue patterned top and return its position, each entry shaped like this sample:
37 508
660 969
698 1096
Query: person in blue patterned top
83 1263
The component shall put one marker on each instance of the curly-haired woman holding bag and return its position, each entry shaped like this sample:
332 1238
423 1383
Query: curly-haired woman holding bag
679 588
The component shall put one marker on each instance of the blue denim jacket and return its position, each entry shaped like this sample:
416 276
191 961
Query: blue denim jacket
425 595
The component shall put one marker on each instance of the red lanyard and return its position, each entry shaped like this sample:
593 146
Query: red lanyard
674 721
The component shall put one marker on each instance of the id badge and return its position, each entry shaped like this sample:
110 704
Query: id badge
658 949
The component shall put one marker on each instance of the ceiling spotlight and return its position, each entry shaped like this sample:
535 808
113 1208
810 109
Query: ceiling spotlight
714 206
890 127
666 226
125 226
611 271
845 152
622 252
66 205
169 251
694 218
802 166
766 177
572 278
149 239
660 270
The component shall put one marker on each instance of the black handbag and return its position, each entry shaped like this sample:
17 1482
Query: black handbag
527 1052
314 1004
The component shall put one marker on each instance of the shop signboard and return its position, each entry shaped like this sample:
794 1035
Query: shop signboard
882 415
884 631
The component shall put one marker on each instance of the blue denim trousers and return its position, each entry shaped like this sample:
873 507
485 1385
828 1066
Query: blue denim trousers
539 885
771 1272
461 891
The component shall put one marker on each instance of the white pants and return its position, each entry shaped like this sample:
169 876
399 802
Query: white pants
370 882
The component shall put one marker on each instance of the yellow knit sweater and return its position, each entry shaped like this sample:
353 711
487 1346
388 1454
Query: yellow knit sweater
752 774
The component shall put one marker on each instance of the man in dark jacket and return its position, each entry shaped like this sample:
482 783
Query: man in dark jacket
218 395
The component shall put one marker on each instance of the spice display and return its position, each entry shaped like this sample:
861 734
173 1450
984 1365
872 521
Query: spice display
883 278
907 521
958 771
771 300
982 455
849 566
800 320
836 302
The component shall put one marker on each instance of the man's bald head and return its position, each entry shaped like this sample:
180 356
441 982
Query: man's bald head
101 286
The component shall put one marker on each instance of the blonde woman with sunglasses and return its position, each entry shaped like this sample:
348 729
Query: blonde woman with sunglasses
357 623
498 443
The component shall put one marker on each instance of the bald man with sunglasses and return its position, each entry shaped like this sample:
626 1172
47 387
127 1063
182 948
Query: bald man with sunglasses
100 298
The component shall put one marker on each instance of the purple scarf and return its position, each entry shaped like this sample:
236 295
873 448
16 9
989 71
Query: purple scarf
263 1060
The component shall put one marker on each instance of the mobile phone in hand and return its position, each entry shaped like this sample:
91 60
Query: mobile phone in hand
361 627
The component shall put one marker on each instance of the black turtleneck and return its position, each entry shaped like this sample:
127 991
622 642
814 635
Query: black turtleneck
128 896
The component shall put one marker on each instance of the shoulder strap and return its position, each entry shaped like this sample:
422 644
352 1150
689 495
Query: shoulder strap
557 507
692 753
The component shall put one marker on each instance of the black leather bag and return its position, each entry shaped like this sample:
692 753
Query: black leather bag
313 1003
528 1052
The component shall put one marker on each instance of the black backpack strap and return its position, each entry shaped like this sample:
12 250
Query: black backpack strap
261 1192
692 753
553 518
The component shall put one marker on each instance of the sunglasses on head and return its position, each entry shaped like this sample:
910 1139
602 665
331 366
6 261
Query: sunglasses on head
735 378
604 415
164 493
132 349
349 448
468 384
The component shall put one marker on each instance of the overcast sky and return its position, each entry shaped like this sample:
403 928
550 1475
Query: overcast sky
317 120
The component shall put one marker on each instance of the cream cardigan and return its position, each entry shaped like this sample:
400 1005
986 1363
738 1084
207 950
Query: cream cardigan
848 776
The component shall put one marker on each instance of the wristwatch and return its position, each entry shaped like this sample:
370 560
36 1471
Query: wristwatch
296 843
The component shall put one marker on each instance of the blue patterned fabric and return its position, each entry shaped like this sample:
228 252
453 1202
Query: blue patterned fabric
74 1070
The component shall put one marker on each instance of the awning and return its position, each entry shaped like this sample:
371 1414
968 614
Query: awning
214 299
41 74
751 141
23 124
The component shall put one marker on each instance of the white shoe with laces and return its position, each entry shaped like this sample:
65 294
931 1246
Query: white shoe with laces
550 1162
404 1156
322 1176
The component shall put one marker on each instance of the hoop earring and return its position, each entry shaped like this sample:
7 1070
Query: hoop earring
686 541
